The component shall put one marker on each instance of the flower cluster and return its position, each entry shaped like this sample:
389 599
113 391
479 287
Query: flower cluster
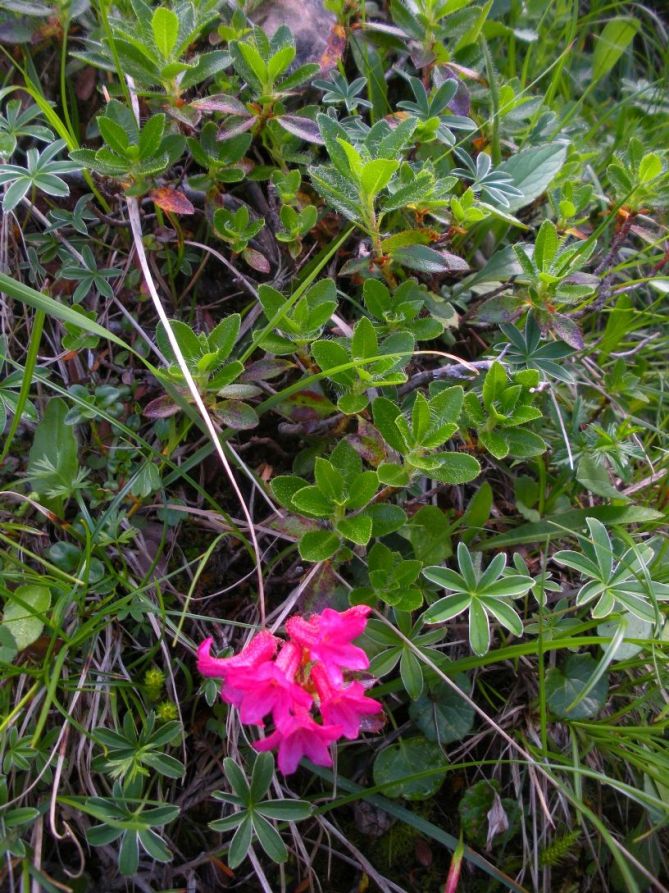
289 679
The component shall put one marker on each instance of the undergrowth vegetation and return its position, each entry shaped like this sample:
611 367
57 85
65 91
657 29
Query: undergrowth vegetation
311 309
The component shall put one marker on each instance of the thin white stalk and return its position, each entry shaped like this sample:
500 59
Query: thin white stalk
260 874
136 228
562 428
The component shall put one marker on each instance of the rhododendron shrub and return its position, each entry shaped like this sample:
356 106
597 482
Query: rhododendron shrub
294 680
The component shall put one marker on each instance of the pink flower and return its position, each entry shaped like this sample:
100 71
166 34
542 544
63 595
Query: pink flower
268 688
300 736
328 636
306 675
260 650
262 647
344 707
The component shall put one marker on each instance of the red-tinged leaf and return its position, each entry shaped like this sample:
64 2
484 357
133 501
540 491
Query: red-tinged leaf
256 260
264 370
185 114
501 308
85 83
237 415
368 443
164 235
373 723
429 260
235 127
172 200
161 408
221 102
293 527
423 852
455 264
320 590
335 48
305 128
466 72
307 406
566 329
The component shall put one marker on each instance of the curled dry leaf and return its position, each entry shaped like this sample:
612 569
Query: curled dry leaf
335 48
172 200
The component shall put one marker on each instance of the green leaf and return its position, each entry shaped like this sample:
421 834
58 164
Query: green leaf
155 846
386 518
479 628
8 649
385 412
352 404
533 170
329 480
495 442
477 512
165 27
285 810
394 475
328 355
397 766
318 545
21 615
150 139
337 190
524 444
357 528
448 607
113 134
7 144
223 338
635 628
364 342
593 475
270 839
55 442
564 684
285 486
280 61
254 60
617 35
546 245
429 534
189 343
128 854
455 468
165 764
240 843
376 175
362 488
442 715
472 33
411 674
312 501
421 258
237 779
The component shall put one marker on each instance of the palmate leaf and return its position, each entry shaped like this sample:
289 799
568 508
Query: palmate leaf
615 580
484 594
